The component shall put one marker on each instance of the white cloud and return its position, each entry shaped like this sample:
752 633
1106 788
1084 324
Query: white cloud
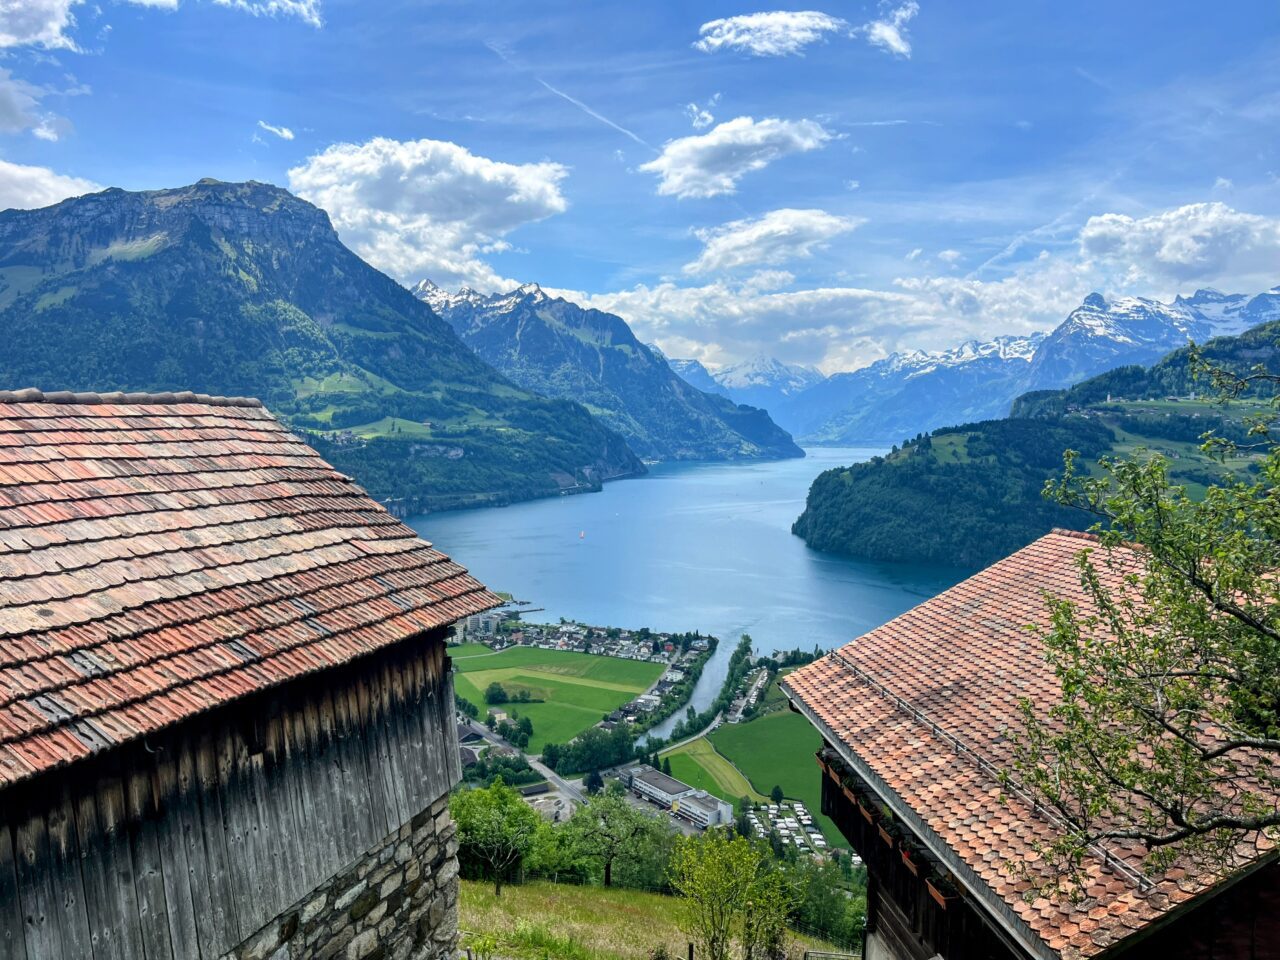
19 101
1223 183
157 4
284 133
712 163
843 327
774 239
701 116
27 188
721 322
1199 242
779 33
846 327
950 256
43 23
889 32
20 109
307 11
428 208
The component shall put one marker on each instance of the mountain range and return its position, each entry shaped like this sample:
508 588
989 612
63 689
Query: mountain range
968 494
244 289
913 392
560 349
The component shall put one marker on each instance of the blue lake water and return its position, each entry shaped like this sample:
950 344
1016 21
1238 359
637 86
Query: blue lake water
704 546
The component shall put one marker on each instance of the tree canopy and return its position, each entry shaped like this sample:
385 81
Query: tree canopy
1168 728
495 827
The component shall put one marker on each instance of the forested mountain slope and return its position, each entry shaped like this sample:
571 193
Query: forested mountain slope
971 494
243 289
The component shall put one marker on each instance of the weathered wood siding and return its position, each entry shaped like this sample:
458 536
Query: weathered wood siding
184 845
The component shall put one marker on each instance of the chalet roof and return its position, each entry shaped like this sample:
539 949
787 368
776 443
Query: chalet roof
162 555
920 708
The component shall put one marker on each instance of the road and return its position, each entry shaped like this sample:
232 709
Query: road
719 718
559 782
735 713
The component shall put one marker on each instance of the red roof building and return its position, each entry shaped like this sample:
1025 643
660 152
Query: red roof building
223 686
915 717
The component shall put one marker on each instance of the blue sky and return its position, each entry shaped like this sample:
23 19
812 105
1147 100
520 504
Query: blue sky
824 183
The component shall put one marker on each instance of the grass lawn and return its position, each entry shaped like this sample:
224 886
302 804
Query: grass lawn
698 765
577 689
462 651
547 921
778 749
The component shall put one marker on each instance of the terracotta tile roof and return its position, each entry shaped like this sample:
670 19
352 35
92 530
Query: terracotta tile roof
923 703
161 555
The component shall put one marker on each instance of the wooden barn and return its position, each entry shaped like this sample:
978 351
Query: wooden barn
226 710
917 772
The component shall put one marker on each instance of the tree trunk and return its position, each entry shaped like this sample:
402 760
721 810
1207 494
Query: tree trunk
608 873
497 883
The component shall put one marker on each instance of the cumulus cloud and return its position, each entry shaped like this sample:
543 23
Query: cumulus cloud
43 23
846 327
428 207
725 321
27 188
1196 243
842 327
778 237
950 256
779 33
307 11
157 4
284 133
712 163
889 32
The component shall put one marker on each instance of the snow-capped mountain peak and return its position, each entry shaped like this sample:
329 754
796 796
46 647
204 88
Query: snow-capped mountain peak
914 363
1232 313
441 300
765 371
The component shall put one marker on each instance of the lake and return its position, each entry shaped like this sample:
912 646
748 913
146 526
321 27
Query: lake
691 546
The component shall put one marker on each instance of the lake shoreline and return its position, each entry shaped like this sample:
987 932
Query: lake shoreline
703 546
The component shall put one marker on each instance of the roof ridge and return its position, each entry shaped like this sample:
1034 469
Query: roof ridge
1076 534
33 395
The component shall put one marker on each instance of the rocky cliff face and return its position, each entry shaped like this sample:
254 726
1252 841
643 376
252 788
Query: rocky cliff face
560 349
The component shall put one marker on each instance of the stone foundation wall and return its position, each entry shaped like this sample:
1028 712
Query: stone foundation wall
397 902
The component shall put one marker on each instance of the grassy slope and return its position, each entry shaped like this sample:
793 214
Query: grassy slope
577 688
698 765
546 921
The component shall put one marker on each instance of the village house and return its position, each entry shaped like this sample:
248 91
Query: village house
226 712
918 774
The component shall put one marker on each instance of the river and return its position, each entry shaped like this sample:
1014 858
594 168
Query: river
691 546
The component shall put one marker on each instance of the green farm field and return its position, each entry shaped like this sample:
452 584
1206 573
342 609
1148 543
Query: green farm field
697 764
577 689
778 749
